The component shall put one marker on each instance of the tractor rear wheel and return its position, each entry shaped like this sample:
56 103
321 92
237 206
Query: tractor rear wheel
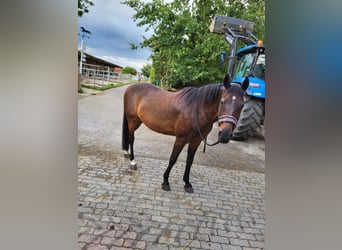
251 117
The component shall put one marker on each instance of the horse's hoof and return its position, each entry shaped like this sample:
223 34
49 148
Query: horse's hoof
166 187
126 154
188 189
133 167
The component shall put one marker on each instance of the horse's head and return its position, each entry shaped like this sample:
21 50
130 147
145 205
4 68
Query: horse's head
231 104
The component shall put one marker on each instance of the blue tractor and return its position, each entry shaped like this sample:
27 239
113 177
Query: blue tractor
249 60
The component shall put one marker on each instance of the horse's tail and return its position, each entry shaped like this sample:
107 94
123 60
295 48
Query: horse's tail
125 133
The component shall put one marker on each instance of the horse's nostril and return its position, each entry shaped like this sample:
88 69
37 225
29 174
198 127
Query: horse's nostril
224 136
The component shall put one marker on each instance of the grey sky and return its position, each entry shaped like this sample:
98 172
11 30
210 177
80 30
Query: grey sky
112 28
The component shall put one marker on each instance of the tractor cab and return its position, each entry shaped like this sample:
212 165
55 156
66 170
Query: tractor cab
245 61
250 60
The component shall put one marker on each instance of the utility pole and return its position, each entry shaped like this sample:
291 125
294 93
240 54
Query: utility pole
85 33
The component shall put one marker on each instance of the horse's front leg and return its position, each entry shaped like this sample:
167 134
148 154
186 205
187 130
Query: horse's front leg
177 148
190 158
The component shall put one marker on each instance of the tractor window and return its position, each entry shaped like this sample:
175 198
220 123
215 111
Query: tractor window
242 66
259 70
244 63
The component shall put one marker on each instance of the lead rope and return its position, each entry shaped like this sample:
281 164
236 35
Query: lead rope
199 130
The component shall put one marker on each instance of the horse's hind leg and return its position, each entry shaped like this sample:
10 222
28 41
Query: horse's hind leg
189 160
133 164
125 136
134 125
177 148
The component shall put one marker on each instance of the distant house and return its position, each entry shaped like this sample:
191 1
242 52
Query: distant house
117 70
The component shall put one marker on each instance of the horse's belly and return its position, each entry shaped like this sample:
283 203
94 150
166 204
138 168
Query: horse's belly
161 127
167 123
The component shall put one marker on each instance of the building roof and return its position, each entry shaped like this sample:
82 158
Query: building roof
97 61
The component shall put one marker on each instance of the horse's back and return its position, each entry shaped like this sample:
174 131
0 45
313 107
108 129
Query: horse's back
147 93
140 88
137 90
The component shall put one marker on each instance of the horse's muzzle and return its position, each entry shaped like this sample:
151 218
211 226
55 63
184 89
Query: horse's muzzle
224 136
227 124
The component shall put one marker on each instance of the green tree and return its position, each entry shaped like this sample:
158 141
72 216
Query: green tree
184 52
129 70
145 70
83 6
152 76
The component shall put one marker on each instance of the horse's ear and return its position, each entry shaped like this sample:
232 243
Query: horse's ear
226 81
245 83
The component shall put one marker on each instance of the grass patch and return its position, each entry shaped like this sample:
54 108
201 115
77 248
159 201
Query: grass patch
81 91
101 88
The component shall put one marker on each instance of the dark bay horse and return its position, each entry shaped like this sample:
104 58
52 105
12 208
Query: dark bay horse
188 115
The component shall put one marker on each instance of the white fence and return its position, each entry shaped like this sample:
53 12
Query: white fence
104 73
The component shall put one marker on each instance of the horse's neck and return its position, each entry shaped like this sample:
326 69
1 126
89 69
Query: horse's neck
210 110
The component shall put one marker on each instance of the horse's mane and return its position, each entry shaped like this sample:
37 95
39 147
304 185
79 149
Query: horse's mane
207 93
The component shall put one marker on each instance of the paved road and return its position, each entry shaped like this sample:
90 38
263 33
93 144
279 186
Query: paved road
124 209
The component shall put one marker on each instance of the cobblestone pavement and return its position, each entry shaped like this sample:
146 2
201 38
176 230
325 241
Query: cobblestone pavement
119 208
